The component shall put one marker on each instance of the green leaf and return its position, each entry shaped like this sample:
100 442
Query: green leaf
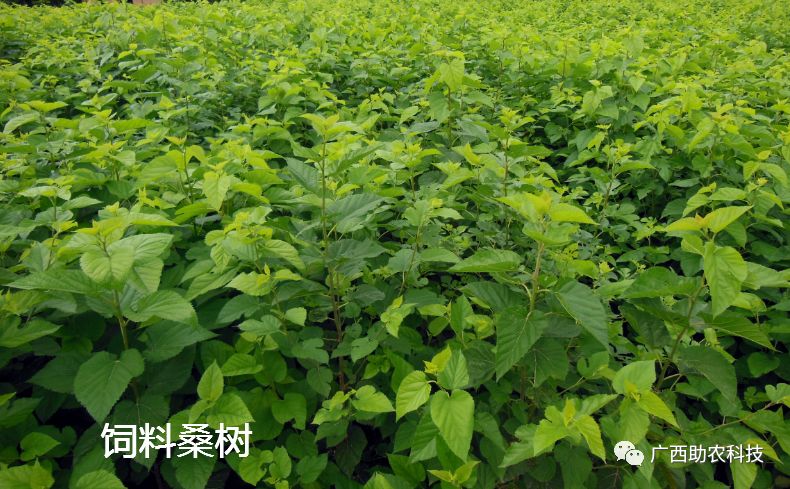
293 406
652 404
633 422
561 212
296 315
635 377
423 442
489 261
743 474
19 121
164 304
240 364
714 367
592 435
11 336
516 332
725 270
31 476
145 246
36 444
193 472
455 374
723 217
367 399
454 416
548 433
253 283
452 74
72 281
229 410
659 282
460 309
281 466
414 473
732 324
760 364
103 378
518 452
395 314
586 308
99 478
352 211
281 249
438 255
413 392
215 188
310 468
58 375
111 266
167 339
211 383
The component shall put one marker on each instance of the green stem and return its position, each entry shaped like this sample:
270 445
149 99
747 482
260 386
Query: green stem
330 271
533 296
411 259
739 420
670 359
323 197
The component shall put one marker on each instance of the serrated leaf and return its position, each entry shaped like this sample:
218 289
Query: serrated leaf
11 336
102 379
164 304
516 332
592 435
714 367
113 265
586 308
229 410
489 261
659 282
725 270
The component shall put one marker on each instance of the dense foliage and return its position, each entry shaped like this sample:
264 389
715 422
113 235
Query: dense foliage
413 244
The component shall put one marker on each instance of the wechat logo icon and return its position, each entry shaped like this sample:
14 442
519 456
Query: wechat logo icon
625 450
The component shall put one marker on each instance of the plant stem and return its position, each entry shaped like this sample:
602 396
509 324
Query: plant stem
411 259
670 359
341 380
323 197
533 296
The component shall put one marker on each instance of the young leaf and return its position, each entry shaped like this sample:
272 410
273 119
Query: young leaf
211 383
454 375
413 392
